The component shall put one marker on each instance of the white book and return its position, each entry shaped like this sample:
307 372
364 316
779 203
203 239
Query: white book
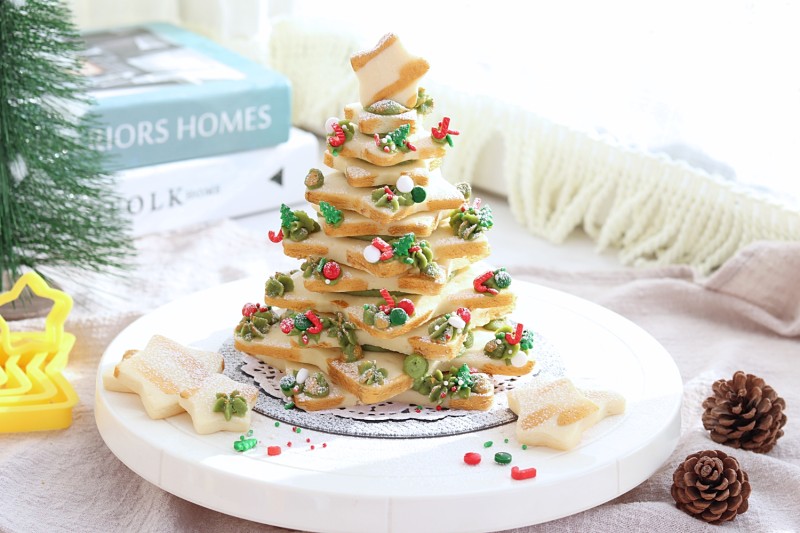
172 195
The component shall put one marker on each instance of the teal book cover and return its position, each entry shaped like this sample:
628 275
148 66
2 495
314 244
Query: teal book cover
166 94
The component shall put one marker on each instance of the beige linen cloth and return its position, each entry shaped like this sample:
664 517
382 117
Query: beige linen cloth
746 316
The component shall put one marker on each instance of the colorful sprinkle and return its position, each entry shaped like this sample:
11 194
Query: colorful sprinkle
505 440
488 444
502 458
517 473
273 450
312 446
472 458
272 236
524 446
244 444
277 424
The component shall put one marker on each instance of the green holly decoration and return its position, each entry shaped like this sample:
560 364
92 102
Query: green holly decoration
230 404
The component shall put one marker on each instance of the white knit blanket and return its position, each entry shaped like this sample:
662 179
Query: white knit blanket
656 211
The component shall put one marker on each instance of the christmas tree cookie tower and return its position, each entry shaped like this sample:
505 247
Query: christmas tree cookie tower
392 300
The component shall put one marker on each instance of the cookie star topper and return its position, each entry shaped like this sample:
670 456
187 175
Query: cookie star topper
388 72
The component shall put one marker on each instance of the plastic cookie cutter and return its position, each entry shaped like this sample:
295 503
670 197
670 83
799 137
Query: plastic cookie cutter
34 395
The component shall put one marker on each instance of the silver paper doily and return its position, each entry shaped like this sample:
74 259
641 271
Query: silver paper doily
387 419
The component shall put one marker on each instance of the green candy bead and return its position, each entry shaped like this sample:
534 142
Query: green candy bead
398 316
502 458
301 322
415 365
418 194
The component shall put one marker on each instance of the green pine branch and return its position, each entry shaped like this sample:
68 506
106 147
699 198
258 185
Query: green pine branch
57 207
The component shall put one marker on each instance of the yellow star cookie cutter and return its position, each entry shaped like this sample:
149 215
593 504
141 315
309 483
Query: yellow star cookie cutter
34 395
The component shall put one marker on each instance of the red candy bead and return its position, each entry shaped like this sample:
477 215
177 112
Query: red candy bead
528 473
464 313
331 270
406 305
273 450
472 458
287 325
249 309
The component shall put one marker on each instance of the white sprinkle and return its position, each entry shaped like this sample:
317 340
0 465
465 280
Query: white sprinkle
405 183
327 282
302 375
372 254
457 322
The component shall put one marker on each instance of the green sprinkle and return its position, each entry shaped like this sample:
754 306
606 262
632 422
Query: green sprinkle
277 424
524 446
488 444
297 430
506 441
502 458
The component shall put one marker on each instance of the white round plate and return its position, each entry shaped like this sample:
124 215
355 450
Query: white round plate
325 482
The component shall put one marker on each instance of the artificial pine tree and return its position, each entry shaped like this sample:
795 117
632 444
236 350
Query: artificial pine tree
57 207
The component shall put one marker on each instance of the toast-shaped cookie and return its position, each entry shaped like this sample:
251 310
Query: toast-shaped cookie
200 402
479 398
360 173
449 252
354 280
370 122
164 369
364 147
555 414
460 292
475 357
330 397
439 195
373 379
354 224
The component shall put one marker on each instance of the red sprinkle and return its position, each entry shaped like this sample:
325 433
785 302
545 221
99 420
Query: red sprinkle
528 473
274 450
464 313
517 337
312 446
324 444
406 305
316 323
308 439
289 444
438 407
275 237
478 283
338 138
472 458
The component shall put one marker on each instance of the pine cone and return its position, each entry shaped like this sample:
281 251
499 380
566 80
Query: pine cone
744 413
710 486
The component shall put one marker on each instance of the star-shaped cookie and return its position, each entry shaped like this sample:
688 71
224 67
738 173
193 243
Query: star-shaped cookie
388 72
556 414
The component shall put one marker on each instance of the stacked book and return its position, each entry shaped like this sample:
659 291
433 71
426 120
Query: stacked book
193 131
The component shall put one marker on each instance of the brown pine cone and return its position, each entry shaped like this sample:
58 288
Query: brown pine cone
744 413
710 486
